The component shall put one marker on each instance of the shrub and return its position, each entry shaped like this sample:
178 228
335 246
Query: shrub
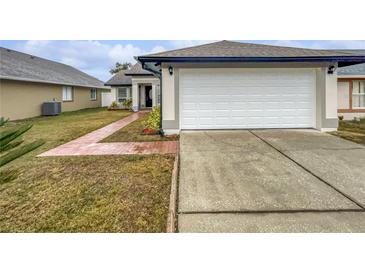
128 104
114 104
153 120
340 117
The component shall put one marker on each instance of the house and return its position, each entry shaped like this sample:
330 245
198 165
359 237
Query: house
232 85
26 81
137 82
351 89
121 89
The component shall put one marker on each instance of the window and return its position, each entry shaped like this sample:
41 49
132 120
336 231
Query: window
67 94
93 94
358 94
122 94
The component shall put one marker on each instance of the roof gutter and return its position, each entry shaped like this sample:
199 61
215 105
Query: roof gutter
342 60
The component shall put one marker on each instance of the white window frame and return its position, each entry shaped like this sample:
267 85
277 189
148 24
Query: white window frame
361 93
93 94
67 94
122 99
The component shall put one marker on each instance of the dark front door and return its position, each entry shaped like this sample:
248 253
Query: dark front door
148 90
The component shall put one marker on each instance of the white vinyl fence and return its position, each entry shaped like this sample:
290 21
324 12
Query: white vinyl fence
106 99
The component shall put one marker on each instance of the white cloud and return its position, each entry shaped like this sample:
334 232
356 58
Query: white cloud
124 52
93 57
157 49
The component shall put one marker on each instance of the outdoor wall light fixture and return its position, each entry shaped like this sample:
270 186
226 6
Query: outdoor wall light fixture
171 70
331 69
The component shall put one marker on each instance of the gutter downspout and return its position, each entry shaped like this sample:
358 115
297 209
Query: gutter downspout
159 75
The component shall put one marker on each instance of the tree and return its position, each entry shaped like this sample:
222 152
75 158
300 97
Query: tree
120 66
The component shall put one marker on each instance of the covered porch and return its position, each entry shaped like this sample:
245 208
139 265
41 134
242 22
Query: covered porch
145 93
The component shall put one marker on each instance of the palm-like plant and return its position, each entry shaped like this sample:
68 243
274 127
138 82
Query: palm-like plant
10 141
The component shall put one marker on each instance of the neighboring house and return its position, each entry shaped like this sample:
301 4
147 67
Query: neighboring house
135 83
27 81
232 85
121 89
351 89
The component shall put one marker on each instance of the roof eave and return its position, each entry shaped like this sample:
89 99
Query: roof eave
118 85
49 82
138 74
342 60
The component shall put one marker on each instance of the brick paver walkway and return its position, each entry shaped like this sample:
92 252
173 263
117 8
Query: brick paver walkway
88 144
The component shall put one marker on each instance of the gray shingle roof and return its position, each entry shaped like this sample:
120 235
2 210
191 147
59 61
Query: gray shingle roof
137 69
120 79
352 70
20 66
355 69
237 49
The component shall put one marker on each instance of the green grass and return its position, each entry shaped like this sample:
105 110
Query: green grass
133 133
56 130
82 193
352 130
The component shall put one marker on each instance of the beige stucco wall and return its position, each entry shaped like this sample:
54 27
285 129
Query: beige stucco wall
326 91
19 100
331 95
168 96
343 95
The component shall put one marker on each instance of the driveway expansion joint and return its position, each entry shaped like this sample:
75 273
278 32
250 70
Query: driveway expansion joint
271 211
307 170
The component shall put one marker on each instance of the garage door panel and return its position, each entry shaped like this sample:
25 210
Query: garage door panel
246 98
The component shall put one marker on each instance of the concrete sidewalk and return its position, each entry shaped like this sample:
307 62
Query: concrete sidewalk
88 144
270 181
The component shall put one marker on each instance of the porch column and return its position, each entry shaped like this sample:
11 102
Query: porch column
135 97
154 99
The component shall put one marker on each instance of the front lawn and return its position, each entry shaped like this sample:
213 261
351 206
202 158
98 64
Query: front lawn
352 130
83 193
133 133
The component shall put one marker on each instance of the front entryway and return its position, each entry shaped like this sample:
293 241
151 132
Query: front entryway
148 96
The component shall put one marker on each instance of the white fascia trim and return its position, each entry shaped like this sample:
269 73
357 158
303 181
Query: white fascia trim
171 131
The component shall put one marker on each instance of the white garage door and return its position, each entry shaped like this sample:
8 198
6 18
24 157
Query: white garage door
246 98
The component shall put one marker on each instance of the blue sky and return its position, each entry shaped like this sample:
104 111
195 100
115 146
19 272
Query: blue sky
97 57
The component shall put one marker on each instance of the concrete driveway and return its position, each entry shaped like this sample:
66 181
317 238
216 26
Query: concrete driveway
270 181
